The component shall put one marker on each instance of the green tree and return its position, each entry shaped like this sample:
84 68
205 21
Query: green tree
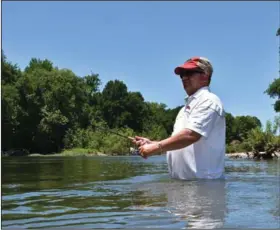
230 128
273 89
10 112
122 108
244 124
10 103
154 122
264 141
155 113
10 72
36 63
53 101
137 111
114 110
169 119
93 82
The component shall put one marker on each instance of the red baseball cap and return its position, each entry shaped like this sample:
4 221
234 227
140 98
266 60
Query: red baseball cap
195 63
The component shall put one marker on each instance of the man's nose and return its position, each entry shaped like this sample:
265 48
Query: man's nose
185 78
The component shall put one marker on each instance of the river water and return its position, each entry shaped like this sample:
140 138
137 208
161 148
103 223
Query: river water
130 192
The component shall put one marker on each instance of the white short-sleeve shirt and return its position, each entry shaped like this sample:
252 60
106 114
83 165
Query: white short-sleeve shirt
204 114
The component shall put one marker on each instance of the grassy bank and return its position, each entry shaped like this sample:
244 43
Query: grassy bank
71 152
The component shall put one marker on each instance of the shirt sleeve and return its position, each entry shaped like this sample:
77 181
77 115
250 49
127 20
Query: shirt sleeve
203 118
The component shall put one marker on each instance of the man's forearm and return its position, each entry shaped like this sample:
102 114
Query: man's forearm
180 140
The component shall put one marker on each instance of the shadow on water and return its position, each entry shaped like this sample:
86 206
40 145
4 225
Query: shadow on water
128 192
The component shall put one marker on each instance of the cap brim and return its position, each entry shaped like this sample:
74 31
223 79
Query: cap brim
178 70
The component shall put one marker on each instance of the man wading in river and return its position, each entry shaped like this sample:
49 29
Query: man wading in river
196 148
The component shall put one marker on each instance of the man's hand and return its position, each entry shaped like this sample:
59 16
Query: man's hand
139 141
149 149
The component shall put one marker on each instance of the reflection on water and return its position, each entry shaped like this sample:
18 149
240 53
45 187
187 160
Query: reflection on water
129 192
199 204
202 204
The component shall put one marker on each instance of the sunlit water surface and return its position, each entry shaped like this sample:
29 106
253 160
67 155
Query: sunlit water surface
129 192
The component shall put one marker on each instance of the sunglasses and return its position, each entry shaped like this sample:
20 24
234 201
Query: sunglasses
189 73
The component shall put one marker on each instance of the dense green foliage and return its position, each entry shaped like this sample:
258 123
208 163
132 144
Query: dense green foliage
46 109
274 92
239 126
258 140
273 89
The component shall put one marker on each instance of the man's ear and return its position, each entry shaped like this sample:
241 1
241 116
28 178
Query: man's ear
204 78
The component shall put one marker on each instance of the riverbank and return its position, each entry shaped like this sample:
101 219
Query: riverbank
250 155
91 152
66 153
71 153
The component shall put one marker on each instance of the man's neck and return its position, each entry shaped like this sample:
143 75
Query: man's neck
196 91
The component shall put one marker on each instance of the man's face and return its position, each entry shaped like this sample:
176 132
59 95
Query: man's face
193 80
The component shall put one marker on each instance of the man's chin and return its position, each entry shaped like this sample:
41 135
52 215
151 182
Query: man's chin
187 91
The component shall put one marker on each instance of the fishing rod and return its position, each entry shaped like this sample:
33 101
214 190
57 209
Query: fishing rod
110 131
134 152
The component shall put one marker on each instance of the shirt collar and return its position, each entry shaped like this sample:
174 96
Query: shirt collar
197 94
